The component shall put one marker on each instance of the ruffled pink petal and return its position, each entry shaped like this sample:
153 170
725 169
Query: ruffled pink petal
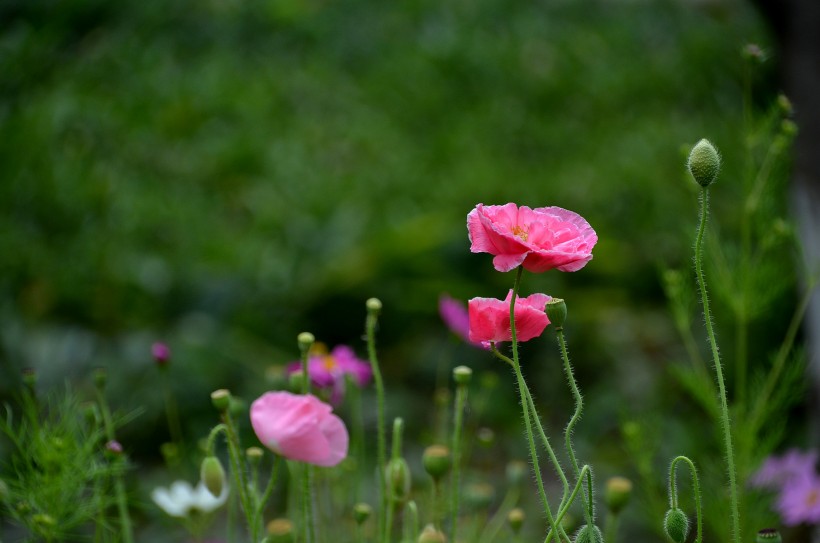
490 318
490 230
335 433
505 263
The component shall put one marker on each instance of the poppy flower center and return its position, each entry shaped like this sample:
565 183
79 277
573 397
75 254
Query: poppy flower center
329 363
520 232
813 498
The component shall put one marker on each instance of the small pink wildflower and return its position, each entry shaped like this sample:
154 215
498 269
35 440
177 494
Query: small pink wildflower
161 353
539 239
490 318
299 427
799 500
328 370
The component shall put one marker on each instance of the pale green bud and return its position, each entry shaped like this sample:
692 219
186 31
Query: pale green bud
557 312
437 461
221 399
515 518
704 163
768 535
431 535
213 475
305 340
280 530
374 306
462 375
589 534
361 512
617 493
676 525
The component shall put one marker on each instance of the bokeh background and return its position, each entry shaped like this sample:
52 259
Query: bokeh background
222 175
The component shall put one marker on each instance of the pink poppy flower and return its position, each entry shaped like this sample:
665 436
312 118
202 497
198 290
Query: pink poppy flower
490 318
455 316
328 370
540 239
799 500
299 427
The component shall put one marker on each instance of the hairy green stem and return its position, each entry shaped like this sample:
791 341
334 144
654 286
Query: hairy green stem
493 527
707 316
370 326
586 472
586 498
460 402
524 391
232 440
119 484
673 491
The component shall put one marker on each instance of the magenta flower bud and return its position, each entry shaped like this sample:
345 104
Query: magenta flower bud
113 448
161 353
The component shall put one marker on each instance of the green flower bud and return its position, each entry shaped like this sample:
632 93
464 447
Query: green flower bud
280 530
361 512
768 535
617 493
437 461
479 495
305 340
374 306
213 475
676 525
295 381
462 375
398 479
431 535
516 472
515 518
557 312
221 399
589 534
254 455
704 163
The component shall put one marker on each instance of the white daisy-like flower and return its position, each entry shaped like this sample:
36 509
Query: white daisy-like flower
181 499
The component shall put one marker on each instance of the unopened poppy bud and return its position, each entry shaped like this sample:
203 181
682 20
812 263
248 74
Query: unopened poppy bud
557 312
30 378
361 512
221 399
768 535
516 471
374 306
589 534
617 493
305 340
785 105
100 376
254 455
280 530
704 163
295 381
437 461
462 375
676 525
398 479
515 518
485 436
431 535
479 495
213 475
161 354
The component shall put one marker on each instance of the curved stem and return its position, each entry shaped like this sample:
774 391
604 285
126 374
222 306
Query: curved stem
522 388
673 491
727 431
586 498
585 472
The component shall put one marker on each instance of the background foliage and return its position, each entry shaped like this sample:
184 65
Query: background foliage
223 175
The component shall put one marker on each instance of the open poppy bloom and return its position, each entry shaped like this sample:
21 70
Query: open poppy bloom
490 318
329 370
539 239
299 427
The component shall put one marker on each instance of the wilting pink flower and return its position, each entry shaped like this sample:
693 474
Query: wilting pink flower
490 318
328 370
299 427
540 239
455 316
799 500
776 471
161 353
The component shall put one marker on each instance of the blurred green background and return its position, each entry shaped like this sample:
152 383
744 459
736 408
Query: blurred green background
222 175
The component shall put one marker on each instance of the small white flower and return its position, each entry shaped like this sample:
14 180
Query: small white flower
181 498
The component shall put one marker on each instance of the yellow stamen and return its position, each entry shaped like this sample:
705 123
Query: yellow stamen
520 232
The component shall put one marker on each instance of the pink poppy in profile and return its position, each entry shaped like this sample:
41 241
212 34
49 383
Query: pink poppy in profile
299 427
328 370
490 318
455 316
539 239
